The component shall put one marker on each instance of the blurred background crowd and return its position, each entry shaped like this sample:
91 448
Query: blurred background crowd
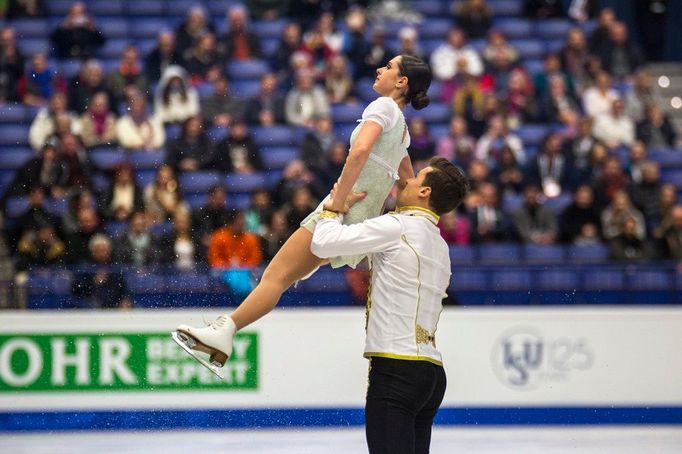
193 134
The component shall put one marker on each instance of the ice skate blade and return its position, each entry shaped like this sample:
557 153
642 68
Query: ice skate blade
179 339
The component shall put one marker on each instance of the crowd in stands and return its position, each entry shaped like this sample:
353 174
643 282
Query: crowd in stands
589 181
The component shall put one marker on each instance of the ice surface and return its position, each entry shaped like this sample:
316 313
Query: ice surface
446 440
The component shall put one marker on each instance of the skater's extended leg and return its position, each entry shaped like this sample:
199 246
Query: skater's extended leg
293 262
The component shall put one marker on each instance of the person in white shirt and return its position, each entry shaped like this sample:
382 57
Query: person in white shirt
445 60
597 99
615 129
138 130
175 99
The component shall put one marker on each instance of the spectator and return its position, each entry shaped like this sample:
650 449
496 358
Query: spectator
508 173
138 130
295 175
628 245
44 127
620 56
457 146
77 242
422 145
534 222
617 212
305 101
497 137
15 9
550 168
276 234
240 42
611 180
77 36
656 130
39 248
123 197
40 82
638 155
469 98
289 43
615 129
646 194
474 17
128 77
578 152
267 9
34 217
88 82
259 212
580 213
558 106
574 57
267 107
317 143
75 161
542 9
77 201
11 66
44 170
135 245
640 95
486 219
237 153
316 52
552 68
454 55
202 61
672 236
355 45
221 108
598 99
103 287
163 197
98 124
331 36
336 159
161 57
454 229
232 246
175 99
194 26
600 35
408 43
192 150
497 48
299 207
667 201
479 173
212 216
338 82
377 53
521 106
179 247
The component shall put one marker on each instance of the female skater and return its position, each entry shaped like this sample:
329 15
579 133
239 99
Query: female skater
376 160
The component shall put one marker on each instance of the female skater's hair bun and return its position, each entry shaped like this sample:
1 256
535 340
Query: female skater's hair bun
420 100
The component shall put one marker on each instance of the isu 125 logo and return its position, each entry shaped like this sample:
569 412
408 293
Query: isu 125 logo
523 358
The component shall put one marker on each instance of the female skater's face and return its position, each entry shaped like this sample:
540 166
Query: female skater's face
389 78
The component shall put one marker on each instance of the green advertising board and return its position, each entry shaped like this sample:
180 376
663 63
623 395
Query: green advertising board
117 362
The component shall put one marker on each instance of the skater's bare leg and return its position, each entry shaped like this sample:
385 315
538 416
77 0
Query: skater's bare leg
293 262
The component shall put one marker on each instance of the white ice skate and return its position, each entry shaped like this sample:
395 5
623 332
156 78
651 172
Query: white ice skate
214 339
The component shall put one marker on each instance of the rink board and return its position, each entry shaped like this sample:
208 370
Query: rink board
111 370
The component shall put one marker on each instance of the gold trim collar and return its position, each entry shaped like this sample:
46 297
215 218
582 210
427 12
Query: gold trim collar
419 211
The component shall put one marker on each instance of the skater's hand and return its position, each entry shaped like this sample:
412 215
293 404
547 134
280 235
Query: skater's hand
352 199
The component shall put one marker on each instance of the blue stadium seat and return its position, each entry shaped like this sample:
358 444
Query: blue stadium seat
246 88
434 28
6 178
32 46
58 7
189 282
145 45
278 157
115 228
325 280
196 200
500 253
462 255
365 91
246 182
506 7
14 113
69 68
673 176
588 254
529 48
559 203
436 112
113 48
239 200
106 158
218 7
439 130
434 8
16 206
347 112
514 27
145 8
142 282
274 135
217 133
509 279
536 254
15 134
57 206
557 279
532 133
161 229
553 28
666 157
511 201
603 279
179 7
114 28
533 66
100 8
469 280
269 45
30 28
643 279
172 131
199 181
143 159
147 28
145 177
268 28
250 69
554 45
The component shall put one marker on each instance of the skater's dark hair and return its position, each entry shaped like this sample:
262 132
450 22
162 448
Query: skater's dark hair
448 185
419 79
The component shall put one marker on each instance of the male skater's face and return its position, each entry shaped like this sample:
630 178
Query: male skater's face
414 190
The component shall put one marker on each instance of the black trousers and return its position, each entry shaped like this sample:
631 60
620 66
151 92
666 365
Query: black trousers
402 399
